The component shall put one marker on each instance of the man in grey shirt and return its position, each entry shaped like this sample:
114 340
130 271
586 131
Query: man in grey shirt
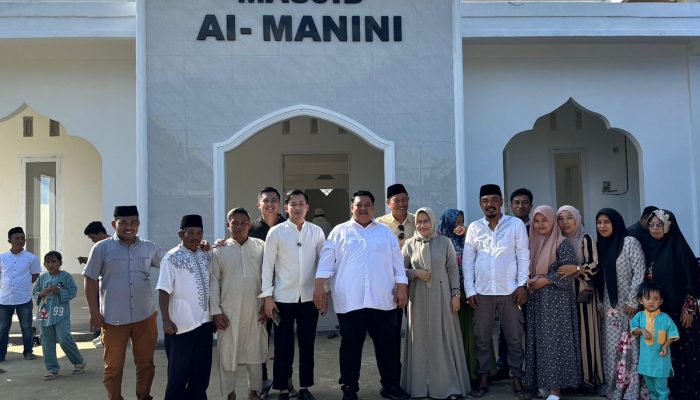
126 306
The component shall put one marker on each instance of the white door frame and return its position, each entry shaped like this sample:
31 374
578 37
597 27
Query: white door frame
584 176
300 110
23 161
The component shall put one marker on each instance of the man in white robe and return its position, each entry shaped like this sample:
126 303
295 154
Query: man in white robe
235 307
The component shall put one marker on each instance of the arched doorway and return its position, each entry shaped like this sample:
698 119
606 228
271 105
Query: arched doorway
323 153
315 142
572 156
57 181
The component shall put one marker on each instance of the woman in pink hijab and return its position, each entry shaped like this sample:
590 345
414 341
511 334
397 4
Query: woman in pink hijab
552 356
569 221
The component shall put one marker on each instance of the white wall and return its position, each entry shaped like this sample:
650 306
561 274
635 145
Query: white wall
529 164
641 89
203 92
89 86
80 182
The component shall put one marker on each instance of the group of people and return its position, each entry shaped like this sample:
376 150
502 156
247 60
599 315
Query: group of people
582 302
573 311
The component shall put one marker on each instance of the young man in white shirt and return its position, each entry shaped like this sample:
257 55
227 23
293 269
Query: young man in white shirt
292 250
19 269
363 261
496 262
183 296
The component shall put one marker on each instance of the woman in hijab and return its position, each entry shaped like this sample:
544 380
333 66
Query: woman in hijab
434 364
621 271
552 351
569 221
452 227
673 267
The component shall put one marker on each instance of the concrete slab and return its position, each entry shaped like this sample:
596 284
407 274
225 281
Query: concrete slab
23 378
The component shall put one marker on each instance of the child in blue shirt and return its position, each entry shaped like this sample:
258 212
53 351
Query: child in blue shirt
53 291
657 331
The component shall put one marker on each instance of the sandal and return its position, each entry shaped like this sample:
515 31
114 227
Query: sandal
519 390
522 395
480 392
50 375
254 395
78 368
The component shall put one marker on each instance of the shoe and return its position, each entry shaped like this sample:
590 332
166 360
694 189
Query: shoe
349 392
283 396
2 370
394 393
349 395
30 356
304 394
50 375
78 368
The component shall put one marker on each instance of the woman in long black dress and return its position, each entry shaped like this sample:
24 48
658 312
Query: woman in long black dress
671 264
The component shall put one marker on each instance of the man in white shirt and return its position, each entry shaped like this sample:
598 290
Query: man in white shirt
19 269
363 261
496 262
183 296
292 250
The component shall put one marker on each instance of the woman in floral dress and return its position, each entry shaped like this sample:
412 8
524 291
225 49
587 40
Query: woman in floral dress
621 271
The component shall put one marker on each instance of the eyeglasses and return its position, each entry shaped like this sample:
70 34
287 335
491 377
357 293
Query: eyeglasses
656 225
401 234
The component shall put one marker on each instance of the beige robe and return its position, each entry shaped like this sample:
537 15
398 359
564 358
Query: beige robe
434 363
235 284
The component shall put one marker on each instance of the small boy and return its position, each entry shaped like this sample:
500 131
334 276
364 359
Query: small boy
53 291
659 331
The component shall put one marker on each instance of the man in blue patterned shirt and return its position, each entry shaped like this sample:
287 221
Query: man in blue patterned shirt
119 272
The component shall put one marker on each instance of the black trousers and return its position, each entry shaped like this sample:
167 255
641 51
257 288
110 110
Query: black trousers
189 363
306 317
268 328
381 326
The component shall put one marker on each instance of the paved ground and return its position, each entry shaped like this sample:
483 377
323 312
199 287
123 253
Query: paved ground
23 378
